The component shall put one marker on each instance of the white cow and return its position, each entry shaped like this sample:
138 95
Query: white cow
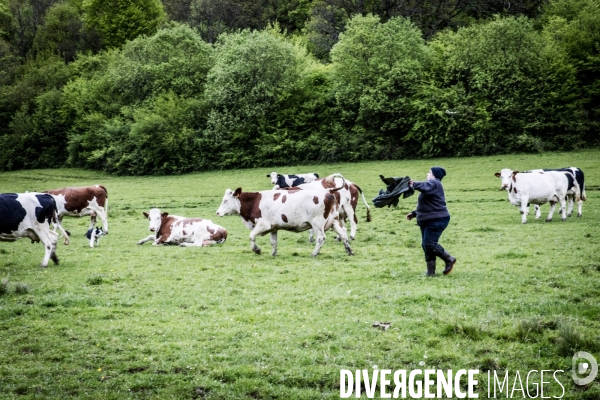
282 181
535 188
173 229
29 215
271 210
576 191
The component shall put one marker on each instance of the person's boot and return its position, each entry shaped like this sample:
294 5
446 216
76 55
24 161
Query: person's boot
449 260
430 269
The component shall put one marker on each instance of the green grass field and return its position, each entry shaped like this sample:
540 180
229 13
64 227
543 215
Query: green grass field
127 321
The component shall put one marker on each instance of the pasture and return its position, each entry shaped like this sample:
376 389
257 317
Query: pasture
127 321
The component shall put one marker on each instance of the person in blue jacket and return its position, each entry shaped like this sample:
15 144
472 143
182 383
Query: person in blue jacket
432 217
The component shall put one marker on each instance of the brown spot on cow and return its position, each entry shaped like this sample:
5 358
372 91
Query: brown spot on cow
284 218
211 231
330 202
276 196
250 206
220 234
514 175
78 198
165 227
315 200
284 198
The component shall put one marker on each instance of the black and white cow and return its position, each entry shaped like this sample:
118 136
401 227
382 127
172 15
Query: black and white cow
572 195
535 188
295 210
29 215
173 229
282 181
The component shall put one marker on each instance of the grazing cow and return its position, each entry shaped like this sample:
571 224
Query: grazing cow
348 200
29 215
94 235
572 193
535 188
286 181
296 210
172 229
80 201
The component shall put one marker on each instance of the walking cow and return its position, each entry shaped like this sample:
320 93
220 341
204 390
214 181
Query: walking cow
29 215
298 210
572 196
80 201
535 188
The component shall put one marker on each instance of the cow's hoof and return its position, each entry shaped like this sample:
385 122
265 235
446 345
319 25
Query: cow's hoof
578 215
43 266
568 215
274 253
350 253
523 222
351 237
548 220
54 258
256 250
564 219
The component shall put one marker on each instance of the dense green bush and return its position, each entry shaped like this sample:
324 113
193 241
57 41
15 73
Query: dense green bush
495 88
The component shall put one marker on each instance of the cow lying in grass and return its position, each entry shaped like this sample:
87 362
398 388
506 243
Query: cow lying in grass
282 181
172 229
298 210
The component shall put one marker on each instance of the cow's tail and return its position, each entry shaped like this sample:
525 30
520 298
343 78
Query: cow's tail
57 223
364 201
105 201
332 178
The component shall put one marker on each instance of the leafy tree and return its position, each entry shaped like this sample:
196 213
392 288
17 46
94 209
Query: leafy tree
118 21
496 88
254 73
377 68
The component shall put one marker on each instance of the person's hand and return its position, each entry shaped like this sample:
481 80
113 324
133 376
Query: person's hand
410 182
409 216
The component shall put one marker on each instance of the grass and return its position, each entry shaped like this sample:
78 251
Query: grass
127 321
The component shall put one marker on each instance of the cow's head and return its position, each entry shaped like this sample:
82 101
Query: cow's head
274 176
155 217
506 175
231 203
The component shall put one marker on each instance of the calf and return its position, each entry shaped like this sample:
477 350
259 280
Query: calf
535 188
29 215
282 181
172 229
80 201
298 210
576 190
348 199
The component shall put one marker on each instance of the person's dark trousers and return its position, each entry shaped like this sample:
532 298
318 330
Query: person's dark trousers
431 230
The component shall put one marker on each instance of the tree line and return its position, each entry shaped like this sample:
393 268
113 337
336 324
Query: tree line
142 87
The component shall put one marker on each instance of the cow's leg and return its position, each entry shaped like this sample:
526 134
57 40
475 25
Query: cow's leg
342 233
320 233
253 234
102 214
570 204
551 213
49 240
524 208
274 243
563 206
538 212
147 239
580 202
92 238
311 237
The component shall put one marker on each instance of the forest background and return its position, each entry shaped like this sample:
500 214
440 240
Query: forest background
137 87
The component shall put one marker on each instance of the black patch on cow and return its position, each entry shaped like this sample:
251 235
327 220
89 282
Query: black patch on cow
296 180
11 213
284 218
46 211
317 175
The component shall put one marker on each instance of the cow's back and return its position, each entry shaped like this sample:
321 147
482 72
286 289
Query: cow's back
78 198
539 186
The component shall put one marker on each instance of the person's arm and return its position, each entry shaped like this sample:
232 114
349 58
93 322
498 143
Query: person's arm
424 186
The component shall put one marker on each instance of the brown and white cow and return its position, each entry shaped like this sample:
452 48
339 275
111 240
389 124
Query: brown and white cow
272 210
80 201
29 215
348 199
535 188
173 229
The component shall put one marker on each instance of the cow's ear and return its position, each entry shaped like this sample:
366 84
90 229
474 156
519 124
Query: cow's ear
497 174
164 215
268 176
279 175
145 214
237 192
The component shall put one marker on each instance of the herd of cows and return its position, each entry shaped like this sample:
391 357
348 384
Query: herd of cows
296 203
